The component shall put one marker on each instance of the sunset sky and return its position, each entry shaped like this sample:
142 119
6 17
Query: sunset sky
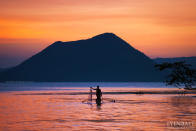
159 28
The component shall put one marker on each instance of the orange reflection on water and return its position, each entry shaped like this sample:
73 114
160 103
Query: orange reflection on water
30 111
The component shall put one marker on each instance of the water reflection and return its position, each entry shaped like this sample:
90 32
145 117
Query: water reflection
99 106
182 101
183 104
51 111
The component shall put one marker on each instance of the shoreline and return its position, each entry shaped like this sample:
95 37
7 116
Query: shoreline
112 93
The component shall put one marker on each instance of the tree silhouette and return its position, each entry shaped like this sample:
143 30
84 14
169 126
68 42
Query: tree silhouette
181 74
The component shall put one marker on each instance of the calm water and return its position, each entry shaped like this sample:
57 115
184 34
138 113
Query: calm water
41 106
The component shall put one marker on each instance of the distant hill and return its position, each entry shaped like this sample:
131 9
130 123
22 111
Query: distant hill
105 57
1 69
188 60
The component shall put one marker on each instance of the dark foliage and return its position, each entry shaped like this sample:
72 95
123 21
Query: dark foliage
181 74
188 60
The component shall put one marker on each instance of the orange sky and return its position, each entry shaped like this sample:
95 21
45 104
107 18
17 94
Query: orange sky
159 28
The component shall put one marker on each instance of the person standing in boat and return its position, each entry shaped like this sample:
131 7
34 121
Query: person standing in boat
98 94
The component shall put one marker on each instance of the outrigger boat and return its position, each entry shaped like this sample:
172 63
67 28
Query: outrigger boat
94 101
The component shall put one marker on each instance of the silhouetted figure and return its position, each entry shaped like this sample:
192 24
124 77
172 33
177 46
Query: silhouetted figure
98 94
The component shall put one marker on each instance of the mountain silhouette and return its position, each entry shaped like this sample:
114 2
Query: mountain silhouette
2 69
103 58
187 60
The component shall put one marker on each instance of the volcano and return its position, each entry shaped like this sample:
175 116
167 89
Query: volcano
102 58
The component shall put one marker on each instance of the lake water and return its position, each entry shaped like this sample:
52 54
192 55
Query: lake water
63 106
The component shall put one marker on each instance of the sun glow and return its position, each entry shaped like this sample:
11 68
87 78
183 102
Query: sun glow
157 28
